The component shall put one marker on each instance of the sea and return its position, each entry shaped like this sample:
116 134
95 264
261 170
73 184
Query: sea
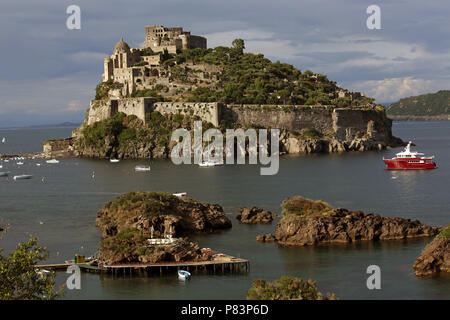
59 206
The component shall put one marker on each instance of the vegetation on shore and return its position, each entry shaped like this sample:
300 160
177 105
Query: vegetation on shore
445 233
431 104
302 207
286 288
122 132
18 277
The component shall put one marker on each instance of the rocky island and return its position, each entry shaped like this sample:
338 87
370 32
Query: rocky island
174 79
310 222
128 222
435 257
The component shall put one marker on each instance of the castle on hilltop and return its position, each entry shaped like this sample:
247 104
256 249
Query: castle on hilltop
134 67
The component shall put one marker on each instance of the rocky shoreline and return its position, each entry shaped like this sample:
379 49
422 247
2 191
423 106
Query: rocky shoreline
435 257
309 222
254 215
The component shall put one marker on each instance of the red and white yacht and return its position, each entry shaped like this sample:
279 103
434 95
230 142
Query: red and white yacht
410 160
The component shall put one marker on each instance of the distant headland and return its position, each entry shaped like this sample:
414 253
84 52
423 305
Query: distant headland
430 106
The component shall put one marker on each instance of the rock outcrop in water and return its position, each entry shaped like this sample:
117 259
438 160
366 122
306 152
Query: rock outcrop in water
133 218
254 215
309 222
435 257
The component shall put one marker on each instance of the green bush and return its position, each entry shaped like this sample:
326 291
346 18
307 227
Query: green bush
286 288
301 206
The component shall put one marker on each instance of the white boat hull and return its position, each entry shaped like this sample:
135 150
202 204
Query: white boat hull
23 177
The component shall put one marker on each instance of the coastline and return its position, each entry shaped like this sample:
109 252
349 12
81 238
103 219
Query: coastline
444 117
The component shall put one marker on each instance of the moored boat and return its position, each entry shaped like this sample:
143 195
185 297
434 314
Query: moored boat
142 168
3 174
184 275
410 160
210 163
114 160
180 195
52 161
23 177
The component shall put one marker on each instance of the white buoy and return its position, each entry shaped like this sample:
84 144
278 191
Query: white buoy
3 140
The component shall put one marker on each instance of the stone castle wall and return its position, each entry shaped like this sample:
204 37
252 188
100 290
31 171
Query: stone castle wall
207 111
343 123
294 117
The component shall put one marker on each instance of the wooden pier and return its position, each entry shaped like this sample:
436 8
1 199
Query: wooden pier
222 264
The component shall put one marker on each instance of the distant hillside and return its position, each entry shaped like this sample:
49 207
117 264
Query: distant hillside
427 106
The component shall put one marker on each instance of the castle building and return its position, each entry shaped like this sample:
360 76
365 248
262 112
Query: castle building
134 69
159 38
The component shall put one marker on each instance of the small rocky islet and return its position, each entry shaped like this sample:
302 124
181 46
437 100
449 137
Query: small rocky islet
131 219
313 222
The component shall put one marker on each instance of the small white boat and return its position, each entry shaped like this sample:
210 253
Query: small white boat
5 160
3 174
22 177
19 163
42 272
184 275
3 140
142 168
210 163
52 161
114 160
180 195
38 164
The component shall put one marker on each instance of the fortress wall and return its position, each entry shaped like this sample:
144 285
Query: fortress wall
281 117
348 123
135 106
207 111
345 124
99 110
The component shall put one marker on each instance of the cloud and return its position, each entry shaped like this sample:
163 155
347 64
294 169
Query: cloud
392 89
74 106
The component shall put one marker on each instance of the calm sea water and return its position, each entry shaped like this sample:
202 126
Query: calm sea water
61 211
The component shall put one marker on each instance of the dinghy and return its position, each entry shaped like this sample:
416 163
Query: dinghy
180 195
142 168
52 161
3 140
210 163
22 177
184 275
19 163
114 160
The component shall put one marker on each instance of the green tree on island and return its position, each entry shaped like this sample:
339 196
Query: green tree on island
18 277
238 45
286 288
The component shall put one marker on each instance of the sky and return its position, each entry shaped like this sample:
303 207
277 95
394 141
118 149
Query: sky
48 73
